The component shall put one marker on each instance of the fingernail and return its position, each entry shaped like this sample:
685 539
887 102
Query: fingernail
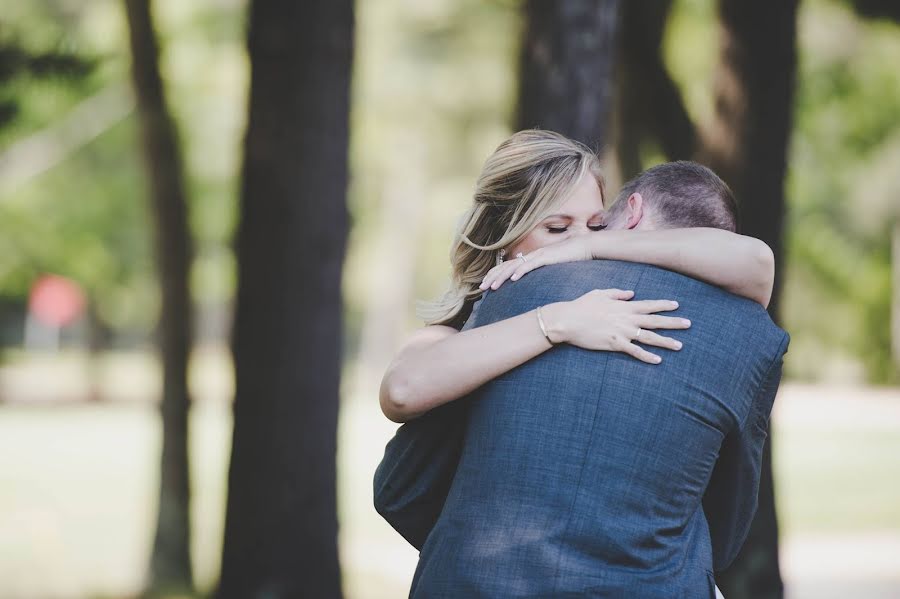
514 277
686 322
657 359
675 304
678 345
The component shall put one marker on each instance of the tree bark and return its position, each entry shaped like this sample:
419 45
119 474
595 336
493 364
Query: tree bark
754 89
748 147
281 517
877 9
170 562
567 65
648 103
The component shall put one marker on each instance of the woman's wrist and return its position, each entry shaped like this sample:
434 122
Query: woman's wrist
597 244
555 322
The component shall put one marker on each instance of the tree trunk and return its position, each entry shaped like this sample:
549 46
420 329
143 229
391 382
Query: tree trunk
567 68
648 103
281 517
748 143
170 563
748 147
877 9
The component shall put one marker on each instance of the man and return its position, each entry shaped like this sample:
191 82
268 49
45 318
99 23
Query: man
587 473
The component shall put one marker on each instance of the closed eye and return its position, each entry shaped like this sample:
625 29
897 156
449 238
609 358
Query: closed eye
596 227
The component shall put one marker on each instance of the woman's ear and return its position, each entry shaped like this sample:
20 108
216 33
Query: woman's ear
635 210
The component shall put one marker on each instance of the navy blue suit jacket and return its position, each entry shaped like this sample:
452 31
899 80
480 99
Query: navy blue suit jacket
585 473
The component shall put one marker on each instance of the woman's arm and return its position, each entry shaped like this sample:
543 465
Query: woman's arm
439 364
737 263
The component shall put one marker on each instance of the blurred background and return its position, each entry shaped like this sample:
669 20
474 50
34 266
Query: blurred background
159 208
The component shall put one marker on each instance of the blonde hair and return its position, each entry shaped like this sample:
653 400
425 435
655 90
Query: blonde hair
527 177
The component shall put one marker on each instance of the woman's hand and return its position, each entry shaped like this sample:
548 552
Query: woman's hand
605 320
574 249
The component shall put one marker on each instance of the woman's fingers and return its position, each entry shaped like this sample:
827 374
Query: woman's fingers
512 270
640 353
494 274
650 306
502 275
525 268
653 321
532 261
650 338
486 281
617 294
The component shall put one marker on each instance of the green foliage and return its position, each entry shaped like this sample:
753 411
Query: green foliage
16 63
434 90
91 228
433 93
842 180
843 187
87 216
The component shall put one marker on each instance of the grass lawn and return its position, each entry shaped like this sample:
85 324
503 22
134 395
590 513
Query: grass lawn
838 481
78 493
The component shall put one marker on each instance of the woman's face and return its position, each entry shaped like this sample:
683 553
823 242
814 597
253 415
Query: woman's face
581 213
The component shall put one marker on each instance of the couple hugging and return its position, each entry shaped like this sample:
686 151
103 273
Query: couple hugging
586 410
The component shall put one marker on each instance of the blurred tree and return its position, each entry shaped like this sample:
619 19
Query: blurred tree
895 298
887 9
67 158
17 61
877 8
419 140
648 103
281 518
748 140
747 146
566 68
170 562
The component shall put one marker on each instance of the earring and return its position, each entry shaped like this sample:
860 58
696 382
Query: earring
501 256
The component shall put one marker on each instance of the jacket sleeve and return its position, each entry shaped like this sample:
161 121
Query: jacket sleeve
412 481
731 497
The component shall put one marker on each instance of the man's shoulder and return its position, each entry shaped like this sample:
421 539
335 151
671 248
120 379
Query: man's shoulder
591 271
569 280
564 282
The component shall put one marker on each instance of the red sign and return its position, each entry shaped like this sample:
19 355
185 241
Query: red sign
55 300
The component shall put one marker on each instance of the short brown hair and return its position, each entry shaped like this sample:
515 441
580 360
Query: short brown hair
684 194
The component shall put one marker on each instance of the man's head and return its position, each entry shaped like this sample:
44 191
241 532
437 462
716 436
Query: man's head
674 195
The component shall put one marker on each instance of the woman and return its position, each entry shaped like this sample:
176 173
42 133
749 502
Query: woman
542 192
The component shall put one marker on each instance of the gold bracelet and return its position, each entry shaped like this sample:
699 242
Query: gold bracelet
543 326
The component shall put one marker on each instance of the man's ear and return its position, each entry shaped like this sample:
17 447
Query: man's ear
635 210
